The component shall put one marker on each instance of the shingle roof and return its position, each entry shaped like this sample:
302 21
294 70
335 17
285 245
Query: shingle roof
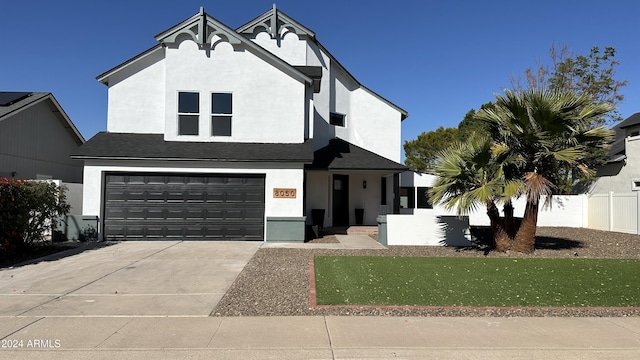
24 101
617 149
105 145
342 155
630 121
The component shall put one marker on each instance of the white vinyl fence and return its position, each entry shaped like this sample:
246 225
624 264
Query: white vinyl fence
615 212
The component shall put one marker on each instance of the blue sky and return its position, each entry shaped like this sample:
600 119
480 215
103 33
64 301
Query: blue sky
435 59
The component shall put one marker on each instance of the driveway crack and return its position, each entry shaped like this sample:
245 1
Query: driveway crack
23 327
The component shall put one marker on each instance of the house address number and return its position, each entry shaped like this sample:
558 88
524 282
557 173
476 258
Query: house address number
284 193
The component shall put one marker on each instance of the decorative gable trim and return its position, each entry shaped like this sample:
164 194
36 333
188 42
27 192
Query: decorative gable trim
276 23
203 28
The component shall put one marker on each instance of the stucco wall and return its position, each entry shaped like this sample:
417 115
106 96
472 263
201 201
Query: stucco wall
377 125
427 227
268 104
320 195
370 123
619 177
137 96
288 48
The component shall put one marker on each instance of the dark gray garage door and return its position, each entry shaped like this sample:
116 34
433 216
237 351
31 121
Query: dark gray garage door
143 206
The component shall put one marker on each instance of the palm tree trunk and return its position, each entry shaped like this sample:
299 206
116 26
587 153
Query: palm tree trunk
501 239
509 223
525 239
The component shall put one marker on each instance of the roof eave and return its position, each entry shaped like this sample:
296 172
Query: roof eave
68 124
255 48
104 77
120 158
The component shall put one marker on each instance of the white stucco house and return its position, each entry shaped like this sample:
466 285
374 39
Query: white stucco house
37 138
239 134
621 173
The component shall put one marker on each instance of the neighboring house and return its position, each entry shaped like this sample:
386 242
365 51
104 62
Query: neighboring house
37 138
216 133
621 173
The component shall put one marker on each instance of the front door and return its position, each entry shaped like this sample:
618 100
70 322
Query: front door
340 200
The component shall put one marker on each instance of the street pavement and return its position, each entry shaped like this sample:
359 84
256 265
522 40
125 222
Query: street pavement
145 300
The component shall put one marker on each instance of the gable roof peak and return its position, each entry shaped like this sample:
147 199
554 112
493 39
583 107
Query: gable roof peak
201 28
206 31
276 23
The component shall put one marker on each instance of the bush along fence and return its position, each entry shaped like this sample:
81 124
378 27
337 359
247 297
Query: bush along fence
27 209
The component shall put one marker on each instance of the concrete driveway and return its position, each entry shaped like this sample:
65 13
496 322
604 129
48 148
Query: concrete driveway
151 300
164 278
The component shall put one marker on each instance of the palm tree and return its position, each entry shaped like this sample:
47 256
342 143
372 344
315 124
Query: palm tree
546 131
475 172
534 134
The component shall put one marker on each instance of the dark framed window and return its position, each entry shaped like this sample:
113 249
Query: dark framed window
336 119
423 198
188 113
221 114
407 198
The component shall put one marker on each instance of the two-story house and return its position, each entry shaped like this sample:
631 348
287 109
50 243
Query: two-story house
216 133
621 172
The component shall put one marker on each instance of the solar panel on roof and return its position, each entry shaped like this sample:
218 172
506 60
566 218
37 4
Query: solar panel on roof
10 97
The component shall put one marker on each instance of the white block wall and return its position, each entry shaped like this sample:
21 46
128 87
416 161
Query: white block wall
427 227
566 210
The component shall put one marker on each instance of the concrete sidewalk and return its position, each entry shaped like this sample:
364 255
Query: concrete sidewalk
149 300
319 338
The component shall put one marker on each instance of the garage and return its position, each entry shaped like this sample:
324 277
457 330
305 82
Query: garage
165 206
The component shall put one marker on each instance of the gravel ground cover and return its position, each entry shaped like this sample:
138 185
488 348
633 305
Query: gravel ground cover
276 282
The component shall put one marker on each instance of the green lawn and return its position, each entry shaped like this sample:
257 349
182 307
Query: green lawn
363 280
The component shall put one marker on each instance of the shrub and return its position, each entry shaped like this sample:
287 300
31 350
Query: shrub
27 210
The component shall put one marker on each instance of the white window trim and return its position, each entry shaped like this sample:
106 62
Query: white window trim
212 114
178 113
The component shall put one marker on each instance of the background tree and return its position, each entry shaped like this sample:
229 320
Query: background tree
422 152
534 134
591 75
470 125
